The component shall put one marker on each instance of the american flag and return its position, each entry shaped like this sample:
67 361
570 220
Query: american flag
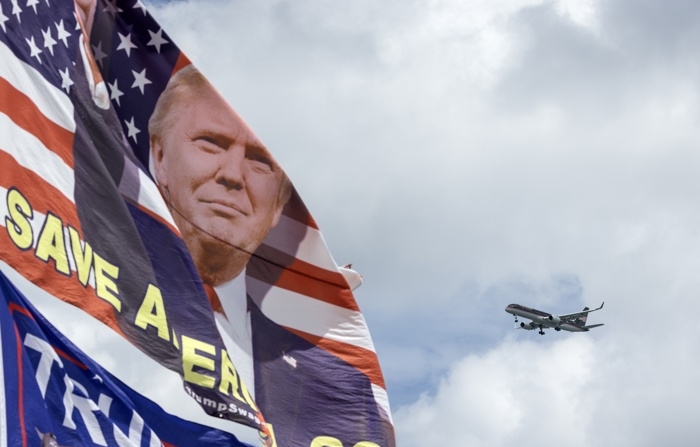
82 218
332 386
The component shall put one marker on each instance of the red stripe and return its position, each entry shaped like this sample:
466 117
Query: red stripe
43 196
14 307
364 360
323 285
20 400
70 358
182 62
22 110
273 266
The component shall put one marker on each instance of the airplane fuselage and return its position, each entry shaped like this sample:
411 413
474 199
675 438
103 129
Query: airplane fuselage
542 320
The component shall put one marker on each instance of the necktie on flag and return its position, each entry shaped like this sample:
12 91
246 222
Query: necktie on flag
99 200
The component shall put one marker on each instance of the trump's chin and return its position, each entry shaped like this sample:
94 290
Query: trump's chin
218 259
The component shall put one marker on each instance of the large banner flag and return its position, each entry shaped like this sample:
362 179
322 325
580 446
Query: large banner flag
131 189
51 392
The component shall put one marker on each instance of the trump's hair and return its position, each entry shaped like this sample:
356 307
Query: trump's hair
183 86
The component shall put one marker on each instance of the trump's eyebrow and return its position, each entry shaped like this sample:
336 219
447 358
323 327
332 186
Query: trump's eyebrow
253 149
259 152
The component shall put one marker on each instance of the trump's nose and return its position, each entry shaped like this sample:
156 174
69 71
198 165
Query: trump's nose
231 164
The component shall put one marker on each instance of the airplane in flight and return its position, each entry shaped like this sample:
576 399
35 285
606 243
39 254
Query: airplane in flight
574 322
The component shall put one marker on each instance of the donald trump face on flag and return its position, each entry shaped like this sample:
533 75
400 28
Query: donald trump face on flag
224 189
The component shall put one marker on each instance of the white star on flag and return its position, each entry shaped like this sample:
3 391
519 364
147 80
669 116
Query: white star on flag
66 81
126 43
35 51
115 93
98 53
112 8
140 6
3 19
140 80
157 39
16 10
132 129
48 40
63 35
33 4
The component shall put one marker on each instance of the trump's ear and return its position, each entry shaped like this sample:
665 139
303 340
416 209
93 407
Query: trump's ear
283 197
277 215
158 164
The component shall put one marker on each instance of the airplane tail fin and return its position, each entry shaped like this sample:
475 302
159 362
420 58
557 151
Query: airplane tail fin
581 320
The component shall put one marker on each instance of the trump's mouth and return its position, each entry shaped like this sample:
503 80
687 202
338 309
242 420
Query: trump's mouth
226 208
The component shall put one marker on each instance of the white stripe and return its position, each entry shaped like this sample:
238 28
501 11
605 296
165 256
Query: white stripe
150 198
382 399
301 241
31 153
310 315
50 100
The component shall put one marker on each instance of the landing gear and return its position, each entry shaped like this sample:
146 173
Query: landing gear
541 330
516 318
557 329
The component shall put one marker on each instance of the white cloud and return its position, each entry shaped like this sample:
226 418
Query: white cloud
522 391
577 389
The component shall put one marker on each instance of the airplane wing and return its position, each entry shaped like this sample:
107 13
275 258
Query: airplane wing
575 315
594 325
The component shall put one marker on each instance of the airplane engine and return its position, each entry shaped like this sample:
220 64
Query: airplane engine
527 326
554 319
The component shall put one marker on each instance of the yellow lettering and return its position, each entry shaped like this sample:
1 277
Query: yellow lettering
105 275
229 377
82 256
325 441
51 245
190 359
366 444
152 313
17 224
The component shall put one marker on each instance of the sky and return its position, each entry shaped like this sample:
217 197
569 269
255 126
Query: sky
465 155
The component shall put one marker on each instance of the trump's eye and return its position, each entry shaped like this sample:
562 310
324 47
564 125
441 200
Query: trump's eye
259 160
208 143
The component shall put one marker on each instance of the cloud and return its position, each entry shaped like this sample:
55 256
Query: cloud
466 155
508 395
579 390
